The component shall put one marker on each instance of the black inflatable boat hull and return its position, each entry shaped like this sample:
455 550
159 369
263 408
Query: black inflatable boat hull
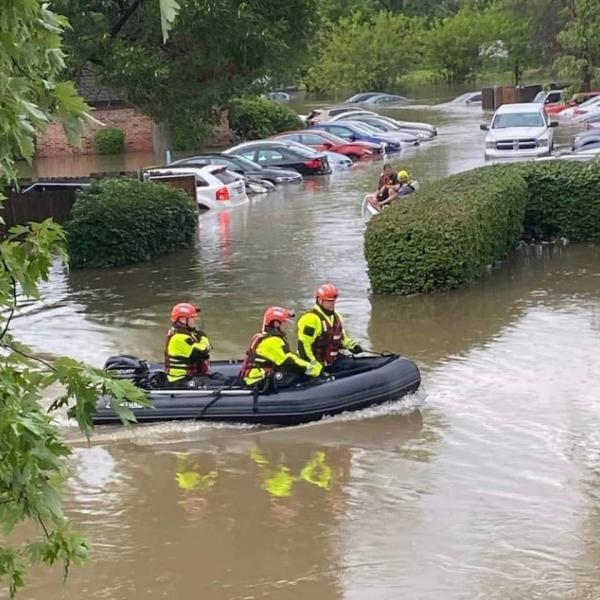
377 380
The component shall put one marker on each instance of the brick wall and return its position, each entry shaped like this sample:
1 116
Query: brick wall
136 126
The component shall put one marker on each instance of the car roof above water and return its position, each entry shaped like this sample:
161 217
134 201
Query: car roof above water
520 107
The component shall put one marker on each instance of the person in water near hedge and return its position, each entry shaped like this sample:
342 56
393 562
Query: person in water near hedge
187 350
387 185
269 361
406 184
321 334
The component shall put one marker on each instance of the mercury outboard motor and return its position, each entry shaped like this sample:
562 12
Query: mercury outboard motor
129 367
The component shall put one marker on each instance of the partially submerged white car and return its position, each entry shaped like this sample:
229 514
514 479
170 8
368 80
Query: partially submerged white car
519 130
216 187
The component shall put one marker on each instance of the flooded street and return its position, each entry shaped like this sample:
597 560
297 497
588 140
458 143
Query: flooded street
483 485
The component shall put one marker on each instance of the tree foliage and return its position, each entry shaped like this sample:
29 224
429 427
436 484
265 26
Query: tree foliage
454 44
360 53
255 118
215 51
126 221
32 455
580 42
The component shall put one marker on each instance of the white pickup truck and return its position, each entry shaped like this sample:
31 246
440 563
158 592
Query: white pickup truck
519 130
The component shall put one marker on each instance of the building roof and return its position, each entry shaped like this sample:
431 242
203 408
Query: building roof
94 93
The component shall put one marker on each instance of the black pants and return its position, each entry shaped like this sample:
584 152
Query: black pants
188 382
342 363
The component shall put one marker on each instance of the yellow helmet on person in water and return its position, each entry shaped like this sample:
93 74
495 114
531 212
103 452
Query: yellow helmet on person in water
403 176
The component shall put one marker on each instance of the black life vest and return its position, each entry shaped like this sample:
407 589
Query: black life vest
327 345
193 367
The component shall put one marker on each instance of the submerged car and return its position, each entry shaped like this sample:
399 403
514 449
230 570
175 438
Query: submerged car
216 187
556 108
323 141
325 114
582 109
425 129
403 137
387 99
271 153
382 127
519 130
243 166
362 97
354 133
467 99
549 97
587 138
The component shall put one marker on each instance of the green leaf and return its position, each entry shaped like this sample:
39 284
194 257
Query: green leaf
168 12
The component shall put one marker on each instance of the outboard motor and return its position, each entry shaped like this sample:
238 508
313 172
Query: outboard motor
129 367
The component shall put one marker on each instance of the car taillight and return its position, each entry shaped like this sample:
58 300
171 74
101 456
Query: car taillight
222 194
314 163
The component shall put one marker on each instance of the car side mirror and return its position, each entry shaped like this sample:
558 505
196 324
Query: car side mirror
484 127
553 123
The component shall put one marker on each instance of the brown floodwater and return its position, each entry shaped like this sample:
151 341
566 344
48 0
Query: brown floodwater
485 484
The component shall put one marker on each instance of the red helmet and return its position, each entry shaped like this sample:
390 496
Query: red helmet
276 313
183 310
327 291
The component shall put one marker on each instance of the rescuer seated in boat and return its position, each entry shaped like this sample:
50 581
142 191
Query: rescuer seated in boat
321 334
269 362
187 350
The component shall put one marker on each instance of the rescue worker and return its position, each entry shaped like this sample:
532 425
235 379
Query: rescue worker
269 360
187 349
321 334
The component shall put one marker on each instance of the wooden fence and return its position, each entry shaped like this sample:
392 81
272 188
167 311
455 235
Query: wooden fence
20 209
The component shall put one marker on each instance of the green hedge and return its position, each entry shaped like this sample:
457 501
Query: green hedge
255 118
124 221
110 140
448 233
564 199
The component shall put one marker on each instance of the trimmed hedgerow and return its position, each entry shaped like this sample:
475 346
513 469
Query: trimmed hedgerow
124 221
564 200
255 118
454 228
110 140
447 233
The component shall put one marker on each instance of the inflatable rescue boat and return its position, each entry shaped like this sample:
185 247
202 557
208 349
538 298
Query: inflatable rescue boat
368 381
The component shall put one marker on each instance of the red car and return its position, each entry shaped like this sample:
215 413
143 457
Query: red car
324 141
555 108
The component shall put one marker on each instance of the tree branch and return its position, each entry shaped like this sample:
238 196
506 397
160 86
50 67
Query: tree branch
116 28
14 297
31 357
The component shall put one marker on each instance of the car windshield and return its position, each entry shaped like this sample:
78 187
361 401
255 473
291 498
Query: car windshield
245 162
540 97
377 125
302 150
334 139
525 119
363 128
